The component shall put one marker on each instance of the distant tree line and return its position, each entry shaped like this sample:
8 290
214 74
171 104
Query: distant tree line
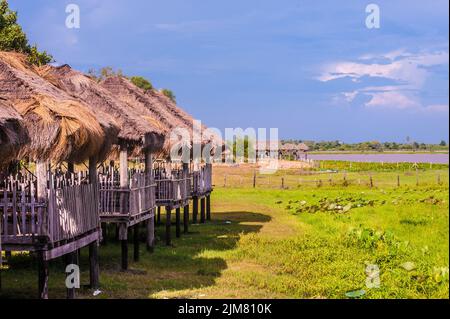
370 146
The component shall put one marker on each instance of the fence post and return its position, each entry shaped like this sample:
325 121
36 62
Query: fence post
398 180
417 177
254 179
282 183
371 181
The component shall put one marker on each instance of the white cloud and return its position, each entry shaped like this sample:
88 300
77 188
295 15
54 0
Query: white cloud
437 108
408 71
392 99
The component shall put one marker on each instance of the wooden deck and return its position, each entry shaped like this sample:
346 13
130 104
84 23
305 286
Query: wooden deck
65 221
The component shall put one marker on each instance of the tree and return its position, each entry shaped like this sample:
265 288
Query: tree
142 83
443 143
12 37
169 94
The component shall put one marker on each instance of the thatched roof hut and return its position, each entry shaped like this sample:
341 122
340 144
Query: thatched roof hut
139 128
61 127
302 147
160 106
13 134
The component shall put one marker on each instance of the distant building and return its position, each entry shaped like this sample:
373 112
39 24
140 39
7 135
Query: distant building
266 149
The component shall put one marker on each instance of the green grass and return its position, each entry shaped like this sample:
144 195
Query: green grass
285 243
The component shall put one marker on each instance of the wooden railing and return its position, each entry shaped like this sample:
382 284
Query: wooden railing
136 199
66 213
72 211
202 180
172 190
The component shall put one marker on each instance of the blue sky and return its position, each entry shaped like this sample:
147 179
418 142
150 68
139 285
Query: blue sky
310 68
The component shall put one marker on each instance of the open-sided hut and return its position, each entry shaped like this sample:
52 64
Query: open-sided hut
127 195
175 186
41 212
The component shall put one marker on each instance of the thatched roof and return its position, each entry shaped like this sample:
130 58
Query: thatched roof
13 134
294 147
138 127
61 128
303 147
162 108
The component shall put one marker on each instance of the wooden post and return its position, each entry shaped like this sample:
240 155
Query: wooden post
417 177
151 221
136 242
398 180
123 237
42 275
123 178
93 169
202 210
282 183
168 224
254 179
70 167
371 181
194 209
151 235
104 227
178 222
93 265
186 219
71 258
208 207
124 248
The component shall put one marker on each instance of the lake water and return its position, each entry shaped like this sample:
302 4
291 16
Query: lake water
387 158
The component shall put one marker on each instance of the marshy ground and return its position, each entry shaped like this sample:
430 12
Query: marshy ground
309 240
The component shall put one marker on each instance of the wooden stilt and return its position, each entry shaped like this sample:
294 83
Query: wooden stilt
168 224
136 242
202 210
94 269
124 244
42 276
208 207
178 222
123 237
71 259
194 209
151 234
186 219
104 234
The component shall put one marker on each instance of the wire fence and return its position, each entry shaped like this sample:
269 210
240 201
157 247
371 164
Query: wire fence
331 179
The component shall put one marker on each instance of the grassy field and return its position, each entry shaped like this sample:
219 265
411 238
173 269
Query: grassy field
315 238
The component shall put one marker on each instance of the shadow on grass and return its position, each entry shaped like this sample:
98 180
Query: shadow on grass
193 261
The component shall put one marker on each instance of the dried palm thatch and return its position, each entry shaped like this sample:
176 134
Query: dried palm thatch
13 134
302 147
60 127
162 108
138 127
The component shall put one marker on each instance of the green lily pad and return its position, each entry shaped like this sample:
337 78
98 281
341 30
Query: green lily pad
355 293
